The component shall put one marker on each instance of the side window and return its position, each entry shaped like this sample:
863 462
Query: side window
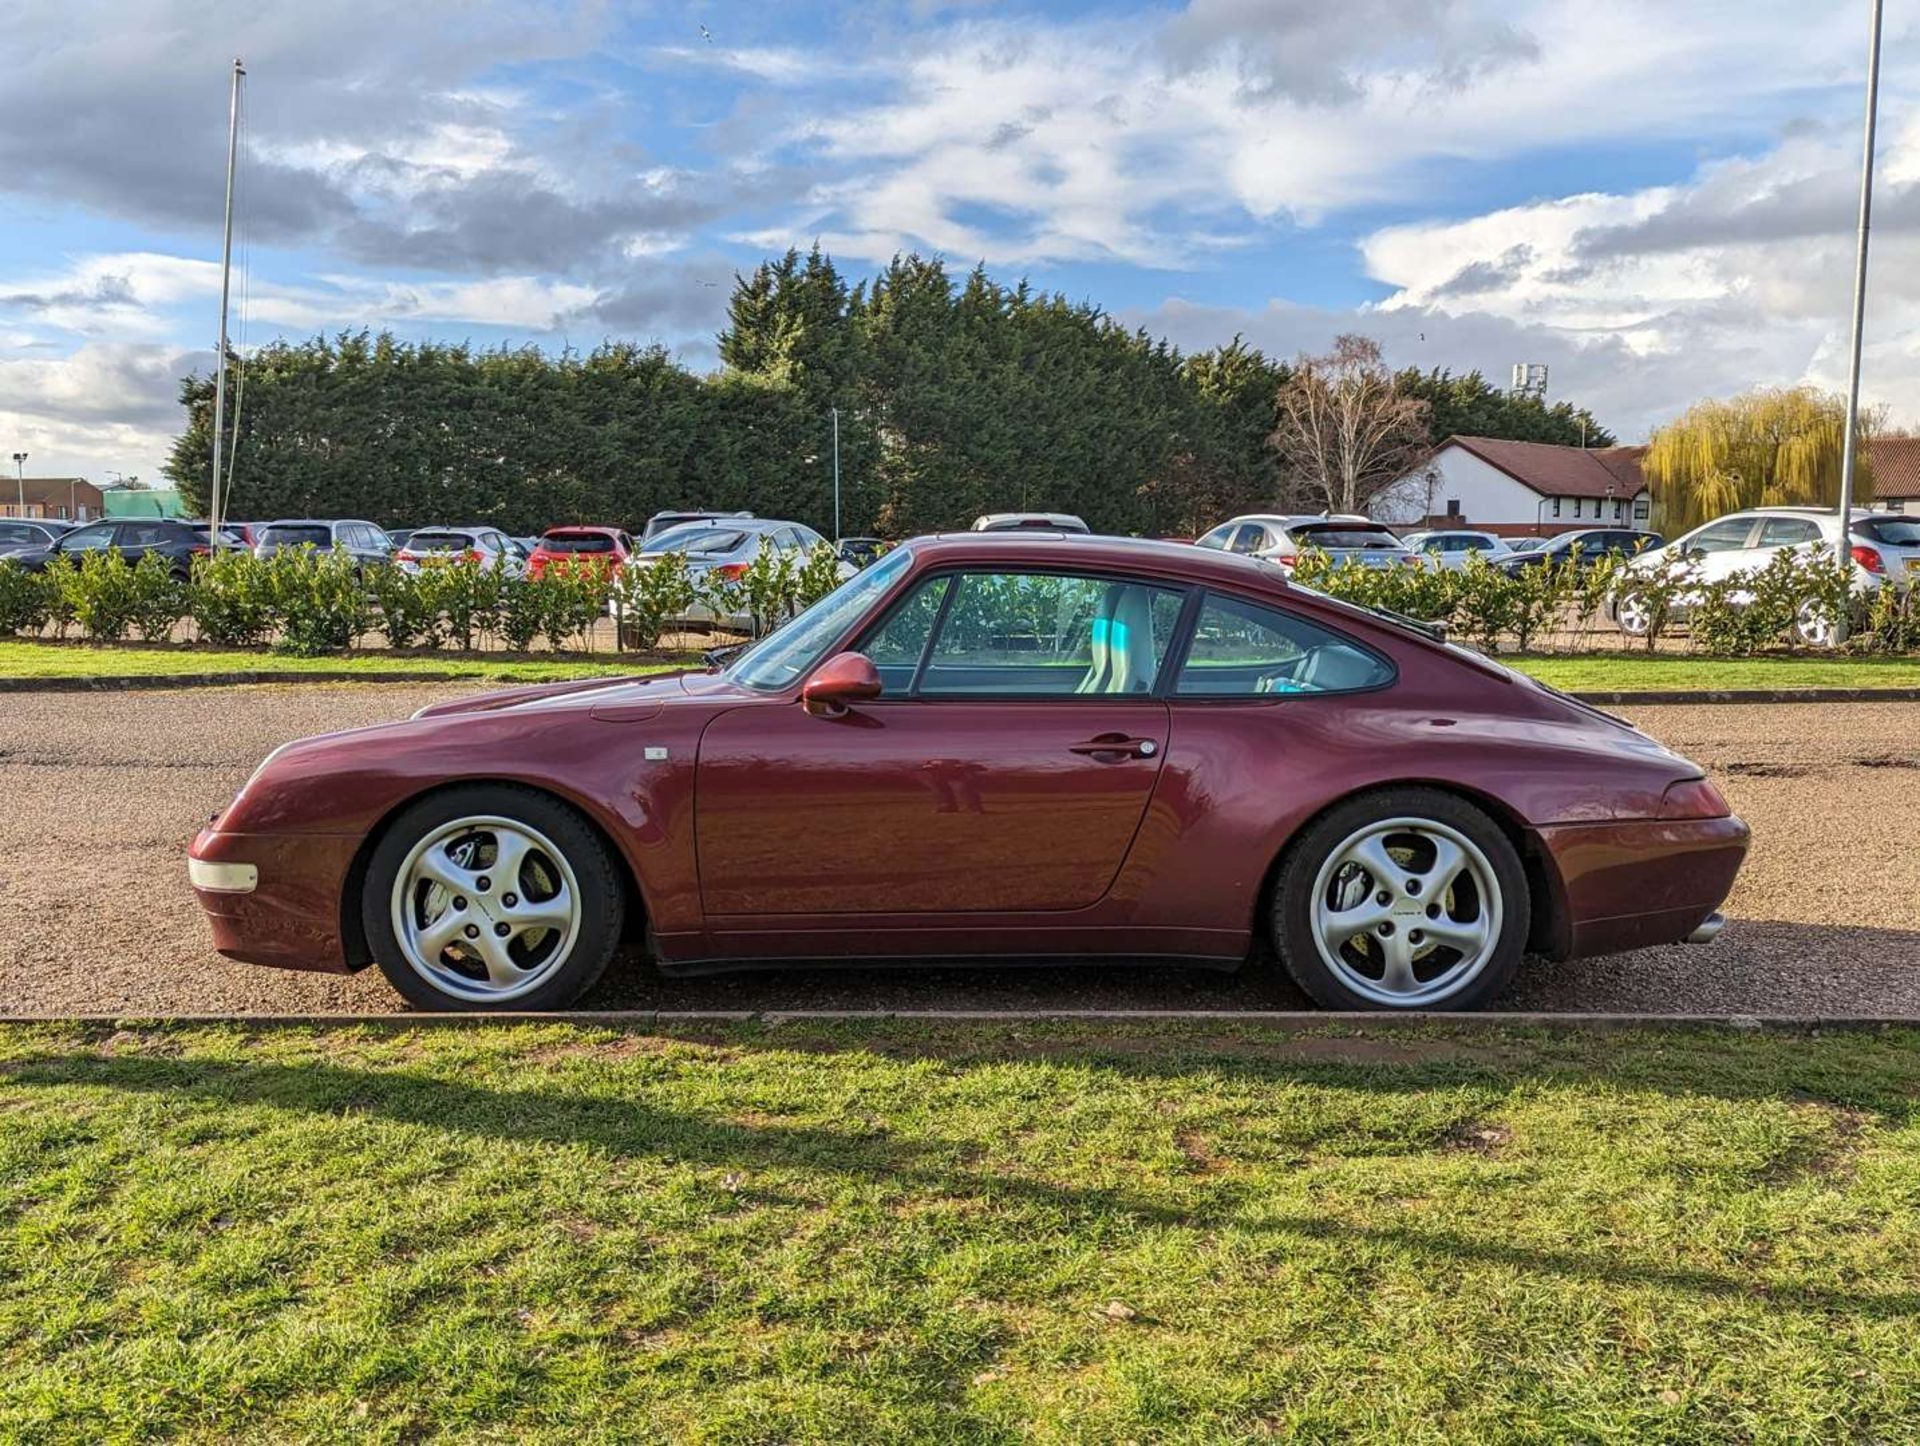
144 534
1722 536
896 648
1050 636
1248 537
88 539
1218 538
1787 531
1242 650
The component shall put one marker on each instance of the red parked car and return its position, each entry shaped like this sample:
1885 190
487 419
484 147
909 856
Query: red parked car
988 746
603 547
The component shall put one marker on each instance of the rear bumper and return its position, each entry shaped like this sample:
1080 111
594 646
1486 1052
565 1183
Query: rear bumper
290 918
1630 885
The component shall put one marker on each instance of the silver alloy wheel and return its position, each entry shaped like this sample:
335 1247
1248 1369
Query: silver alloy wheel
486 908
1814 624
1632 614
1406 912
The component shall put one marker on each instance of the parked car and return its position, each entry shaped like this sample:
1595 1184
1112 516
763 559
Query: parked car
1452 547
1526 544
661 521
488 546
398 536
860 551
27 534
1029 522
600 547
366 544
997 747
1885 549
248 532
177 541
1583 548
1280 539
727 547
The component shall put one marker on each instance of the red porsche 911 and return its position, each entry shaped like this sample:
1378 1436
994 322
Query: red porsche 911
990 746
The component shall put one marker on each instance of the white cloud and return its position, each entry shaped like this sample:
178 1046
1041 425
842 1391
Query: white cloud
106 406
1144 143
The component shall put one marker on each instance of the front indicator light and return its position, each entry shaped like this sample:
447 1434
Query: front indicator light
222 878
1693 798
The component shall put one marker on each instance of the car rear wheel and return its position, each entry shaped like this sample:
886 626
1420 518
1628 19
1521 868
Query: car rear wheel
491 897
1404 899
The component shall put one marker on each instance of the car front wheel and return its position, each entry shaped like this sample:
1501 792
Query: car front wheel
1403 899
489 897
1634 614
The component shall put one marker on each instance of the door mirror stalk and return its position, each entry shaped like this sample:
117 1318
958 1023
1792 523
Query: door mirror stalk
840 682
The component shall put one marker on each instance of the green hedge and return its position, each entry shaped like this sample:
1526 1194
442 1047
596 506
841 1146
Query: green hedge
1559 606
308 602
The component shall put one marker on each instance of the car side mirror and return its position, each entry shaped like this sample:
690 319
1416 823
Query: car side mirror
838 683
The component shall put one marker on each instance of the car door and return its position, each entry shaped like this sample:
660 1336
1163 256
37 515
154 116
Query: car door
1005 769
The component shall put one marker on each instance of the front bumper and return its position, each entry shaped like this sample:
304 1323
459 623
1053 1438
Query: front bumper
290 918
1634 884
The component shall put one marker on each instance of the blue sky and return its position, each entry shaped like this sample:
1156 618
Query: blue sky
1652 196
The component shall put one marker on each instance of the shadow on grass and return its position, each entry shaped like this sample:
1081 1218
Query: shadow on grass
633 1129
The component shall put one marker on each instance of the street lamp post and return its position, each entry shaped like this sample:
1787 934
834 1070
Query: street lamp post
836 476
20 482
1851 446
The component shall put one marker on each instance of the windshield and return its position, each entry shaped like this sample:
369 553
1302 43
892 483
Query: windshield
1344 536
439 542
697 537
780 657
576 542
318 534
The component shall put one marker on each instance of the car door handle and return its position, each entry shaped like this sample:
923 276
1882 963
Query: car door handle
1116 747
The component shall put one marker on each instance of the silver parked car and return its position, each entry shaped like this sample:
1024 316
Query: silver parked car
1451 547
366 544
726 547
1281 538
488 546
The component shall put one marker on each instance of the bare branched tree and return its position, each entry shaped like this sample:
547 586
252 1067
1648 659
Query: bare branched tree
1347 432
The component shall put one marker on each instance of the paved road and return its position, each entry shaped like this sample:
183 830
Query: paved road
102 791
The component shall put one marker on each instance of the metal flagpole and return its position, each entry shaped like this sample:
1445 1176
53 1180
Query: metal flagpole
836 476
1850 447
226 275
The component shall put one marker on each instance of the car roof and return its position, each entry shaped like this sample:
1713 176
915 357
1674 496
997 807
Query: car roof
1176 561
593 527
1301 519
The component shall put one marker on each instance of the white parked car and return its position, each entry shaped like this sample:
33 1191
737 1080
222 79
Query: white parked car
1029 522
1451 547
1885 550
1280 539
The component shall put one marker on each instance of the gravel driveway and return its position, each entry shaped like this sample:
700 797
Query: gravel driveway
104 790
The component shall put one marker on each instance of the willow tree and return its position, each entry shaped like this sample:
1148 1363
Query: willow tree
1767 448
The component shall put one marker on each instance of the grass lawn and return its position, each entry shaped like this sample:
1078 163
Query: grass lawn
74 660
1640 672
888 1232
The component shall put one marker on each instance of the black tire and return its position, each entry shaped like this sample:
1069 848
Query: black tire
1293 902
602 901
